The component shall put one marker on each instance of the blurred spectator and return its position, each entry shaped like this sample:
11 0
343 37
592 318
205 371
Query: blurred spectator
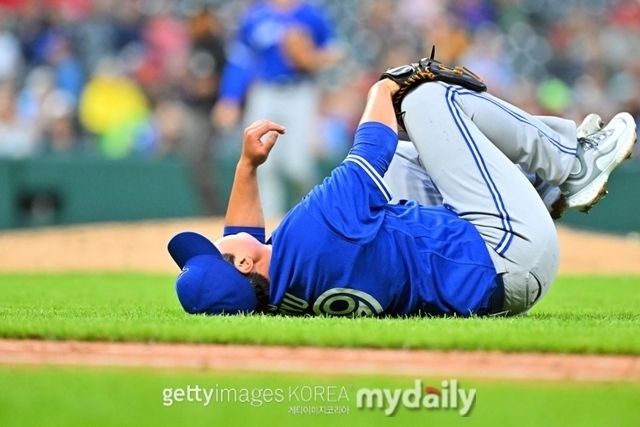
67 70
418 14
337 122
97 33
625 14
168 124
450 38
164 57
37 85
18 136
381 33
60 134
11 60
274 57
114 108
476 14
58 95
487 57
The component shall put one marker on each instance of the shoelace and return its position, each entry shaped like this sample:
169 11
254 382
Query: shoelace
589 142
592 141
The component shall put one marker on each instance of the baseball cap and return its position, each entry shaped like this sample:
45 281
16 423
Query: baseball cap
208 283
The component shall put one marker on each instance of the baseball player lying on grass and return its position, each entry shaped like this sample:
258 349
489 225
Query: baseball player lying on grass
490 248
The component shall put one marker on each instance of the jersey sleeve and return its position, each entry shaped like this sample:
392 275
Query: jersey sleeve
238 70
257 232
323 27
351 200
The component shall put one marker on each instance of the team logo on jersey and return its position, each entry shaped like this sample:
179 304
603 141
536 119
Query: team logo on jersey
346 302
291 305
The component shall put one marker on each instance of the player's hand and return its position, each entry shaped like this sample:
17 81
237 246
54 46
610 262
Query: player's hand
391 85
258 140
301 51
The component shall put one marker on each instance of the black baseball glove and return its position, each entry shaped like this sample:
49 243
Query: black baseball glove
410 76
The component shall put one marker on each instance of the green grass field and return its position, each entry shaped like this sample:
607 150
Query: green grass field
580 315
86 397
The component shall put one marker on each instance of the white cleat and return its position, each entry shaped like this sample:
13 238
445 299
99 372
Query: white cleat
552 197
591 124
598 155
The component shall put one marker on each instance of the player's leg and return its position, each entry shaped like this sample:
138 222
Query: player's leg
407 179
295 107
592 123
273 192
483 186
547 151
551 195
544 146
298 164
550 149
477 179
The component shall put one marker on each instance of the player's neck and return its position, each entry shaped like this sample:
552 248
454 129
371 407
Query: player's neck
262 261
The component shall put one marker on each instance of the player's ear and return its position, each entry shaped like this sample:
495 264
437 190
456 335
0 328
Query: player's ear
244 264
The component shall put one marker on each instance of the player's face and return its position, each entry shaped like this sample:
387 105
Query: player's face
237 244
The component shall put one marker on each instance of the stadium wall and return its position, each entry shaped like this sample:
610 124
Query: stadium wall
70 190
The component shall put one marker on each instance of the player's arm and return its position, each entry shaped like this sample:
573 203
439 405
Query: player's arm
352 199
376 138
305 55
244 208
310 45
238 71
233 86
379 107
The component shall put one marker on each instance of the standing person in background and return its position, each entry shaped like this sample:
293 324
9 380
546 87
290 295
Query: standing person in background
205 64
279 48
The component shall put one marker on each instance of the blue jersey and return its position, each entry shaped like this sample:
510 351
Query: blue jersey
345 251
256 51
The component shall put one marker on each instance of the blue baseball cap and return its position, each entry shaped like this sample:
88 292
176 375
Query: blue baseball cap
208 283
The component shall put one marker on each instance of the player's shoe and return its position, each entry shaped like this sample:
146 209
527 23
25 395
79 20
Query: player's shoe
552 197
558 207
597 156
591 124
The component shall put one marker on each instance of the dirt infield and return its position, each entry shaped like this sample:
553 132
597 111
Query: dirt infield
142 247
324 360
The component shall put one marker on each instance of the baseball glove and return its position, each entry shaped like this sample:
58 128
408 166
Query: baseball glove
410 76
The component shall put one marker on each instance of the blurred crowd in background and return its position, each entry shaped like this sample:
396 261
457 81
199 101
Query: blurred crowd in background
122 78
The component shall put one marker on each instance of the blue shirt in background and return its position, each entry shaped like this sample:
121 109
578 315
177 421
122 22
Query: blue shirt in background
256 52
